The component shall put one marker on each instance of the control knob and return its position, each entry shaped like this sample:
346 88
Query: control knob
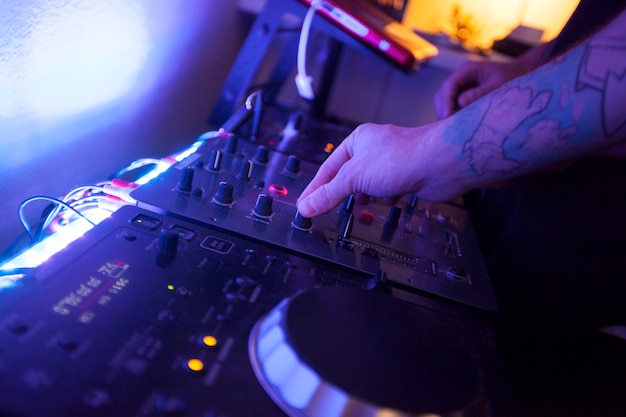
348 204
231 145
224 194
166 246
215 161
302 223
245 171
393 217
262 155
186 180
263 206
293 165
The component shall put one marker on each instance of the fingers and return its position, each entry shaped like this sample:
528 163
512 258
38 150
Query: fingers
447 98
323 199
444 101
325 191
467 97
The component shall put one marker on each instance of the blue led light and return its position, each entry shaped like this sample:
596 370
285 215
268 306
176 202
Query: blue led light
56 242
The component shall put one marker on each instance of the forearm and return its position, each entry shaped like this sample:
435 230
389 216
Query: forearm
570 107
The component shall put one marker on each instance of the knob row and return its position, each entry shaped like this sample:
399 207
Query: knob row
262 207
261 157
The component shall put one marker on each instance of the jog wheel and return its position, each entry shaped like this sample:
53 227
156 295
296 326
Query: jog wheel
339 351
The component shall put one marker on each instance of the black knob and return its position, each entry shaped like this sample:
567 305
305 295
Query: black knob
186 180
263 206
231 145
215 161
302 223
346 228
224 194
393 216
293 164
348 204
262 155
245 171
411 202
167 245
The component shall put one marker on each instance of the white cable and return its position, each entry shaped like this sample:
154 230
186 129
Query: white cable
304 81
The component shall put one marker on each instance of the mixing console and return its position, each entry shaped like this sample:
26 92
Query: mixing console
250 190
213 297
149 315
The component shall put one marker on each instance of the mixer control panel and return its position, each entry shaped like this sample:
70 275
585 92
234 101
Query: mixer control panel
151 315
237 186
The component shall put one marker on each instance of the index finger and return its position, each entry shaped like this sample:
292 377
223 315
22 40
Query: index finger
328 170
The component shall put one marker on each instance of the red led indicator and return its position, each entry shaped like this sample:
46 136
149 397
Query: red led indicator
278 190
366 217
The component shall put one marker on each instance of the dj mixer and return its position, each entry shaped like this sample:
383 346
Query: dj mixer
214 297
251 190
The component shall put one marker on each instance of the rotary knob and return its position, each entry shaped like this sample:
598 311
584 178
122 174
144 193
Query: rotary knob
293 165
166 246
302 223
215 161
231 145
341 351
262 155
263 206
224 194
245 171
393 217
411 202
186 180
348 204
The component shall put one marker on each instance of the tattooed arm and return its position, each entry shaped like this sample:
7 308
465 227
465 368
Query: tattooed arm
572 107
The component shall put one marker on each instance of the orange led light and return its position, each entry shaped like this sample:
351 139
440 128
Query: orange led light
329 148
195 365
209 341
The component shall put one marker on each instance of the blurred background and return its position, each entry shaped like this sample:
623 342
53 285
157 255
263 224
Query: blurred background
87 87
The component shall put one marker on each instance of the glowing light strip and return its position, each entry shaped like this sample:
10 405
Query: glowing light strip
165 164
53 244
42 251
152 174
189 151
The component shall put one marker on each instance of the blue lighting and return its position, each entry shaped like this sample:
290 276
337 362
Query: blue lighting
72 56
56 242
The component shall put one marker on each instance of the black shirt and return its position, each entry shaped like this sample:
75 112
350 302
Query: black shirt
555 247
